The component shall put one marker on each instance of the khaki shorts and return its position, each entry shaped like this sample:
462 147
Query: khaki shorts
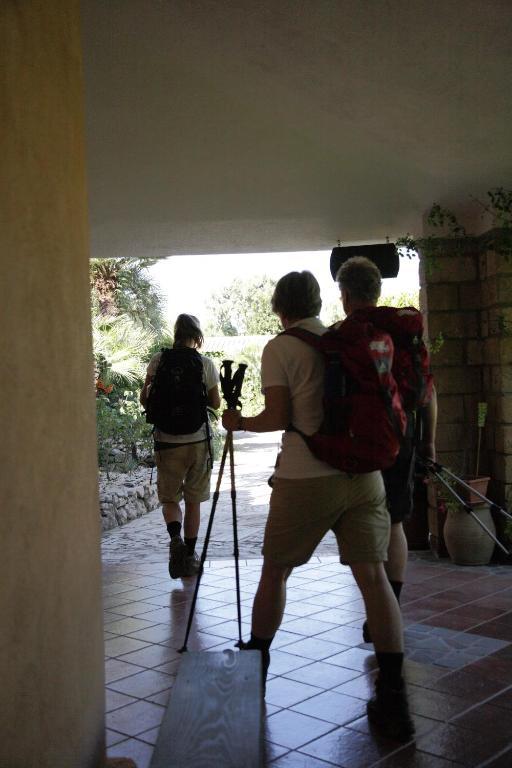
302 511
183 472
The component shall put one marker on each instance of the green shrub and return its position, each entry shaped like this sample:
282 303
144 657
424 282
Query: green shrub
124 437
253 400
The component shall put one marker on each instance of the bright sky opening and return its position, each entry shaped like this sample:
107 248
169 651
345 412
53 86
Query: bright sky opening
188 282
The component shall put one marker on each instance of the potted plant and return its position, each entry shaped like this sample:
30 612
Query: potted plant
469 527
479 483
467 541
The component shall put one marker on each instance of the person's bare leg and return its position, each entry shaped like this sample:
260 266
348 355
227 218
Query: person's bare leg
270 599
382 609
398 553
395 567
388 709
171 512
267 611
192 519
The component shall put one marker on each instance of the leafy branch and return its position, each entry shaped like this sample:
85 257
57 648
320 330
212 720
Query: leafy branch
498 206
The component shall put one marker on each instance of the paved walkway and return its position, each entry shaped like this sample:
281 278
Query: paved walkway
255 457
458 646
458 667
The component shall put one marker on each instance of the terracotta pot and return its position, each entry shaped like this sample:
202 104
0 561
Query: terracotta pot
466 541
479 484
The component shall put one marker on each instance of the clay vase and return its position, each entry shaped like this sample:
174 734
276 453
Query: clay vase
467 543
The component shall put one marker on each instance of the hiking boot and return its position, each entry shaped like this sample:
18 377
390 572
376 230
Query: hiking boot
389 711
177 558
367 638
192 564
265 660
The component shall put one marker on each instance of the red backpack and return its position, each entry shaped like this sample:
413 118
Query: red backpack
363 417
411 361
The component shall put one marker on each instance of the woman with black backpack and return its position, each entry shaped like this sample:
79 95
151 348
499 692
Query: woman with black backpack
180 385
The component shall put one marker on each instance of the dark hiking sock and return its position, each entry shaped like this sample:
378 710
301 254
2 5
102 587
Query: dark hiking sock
260 643
396 586
174 528
390 669
191 545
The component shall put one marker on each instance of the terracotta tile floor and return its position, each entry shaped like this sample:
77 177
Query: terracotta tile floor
458 631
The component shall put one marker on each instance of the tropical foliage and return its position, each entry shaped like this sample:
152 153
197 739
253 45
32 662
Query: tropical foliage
243 308
118 342
405 299
123 286
127 325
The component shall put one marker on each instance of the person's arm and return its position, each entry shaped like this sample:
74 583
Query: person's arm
150 375
428 416
274 416
214 397
143 398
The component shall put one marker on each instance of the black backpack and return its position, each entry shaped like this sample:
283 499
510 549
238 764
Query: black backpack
177 399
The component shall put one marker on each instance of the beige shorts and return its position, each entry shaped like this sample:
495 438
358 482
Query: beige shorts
302 511
183 472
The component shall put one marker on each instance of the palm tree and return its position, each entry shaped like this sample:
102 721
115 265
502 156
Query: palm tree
120 349
123 286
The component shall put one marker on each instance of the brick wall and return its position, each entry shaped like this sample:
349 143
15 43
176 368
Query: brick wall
466 295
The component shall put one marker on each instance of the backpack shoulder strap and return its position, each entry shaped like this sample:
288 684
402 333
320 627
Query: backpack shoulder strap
313 339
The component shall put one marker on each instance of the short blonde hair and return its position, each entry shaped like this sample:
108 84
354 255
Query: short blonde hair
361 278
297 295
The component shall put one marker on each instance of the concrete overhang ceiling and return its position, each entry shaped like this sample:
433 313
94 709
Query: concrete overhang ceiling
219 126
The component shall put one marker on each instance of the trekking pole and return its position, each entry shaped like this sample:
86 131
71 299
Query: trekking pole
437 469
231 391
233 399
205 545
235 540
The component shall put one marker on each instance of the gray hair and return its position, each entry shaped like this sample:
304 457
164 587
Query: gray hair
296 296
361 278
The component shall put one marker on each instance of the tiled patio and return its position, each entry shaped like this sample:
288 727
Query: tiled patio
458 646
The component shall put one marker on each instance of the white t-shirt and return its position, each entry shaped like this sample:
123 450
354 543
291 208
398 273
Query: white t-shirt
291 363
210 378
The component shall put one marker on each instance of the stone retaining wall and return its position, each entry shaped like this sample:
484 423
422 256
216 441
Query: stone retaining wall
124 497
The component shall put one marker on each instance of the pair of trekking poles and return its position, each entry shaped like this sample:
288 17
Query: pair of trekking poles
231 386
448 479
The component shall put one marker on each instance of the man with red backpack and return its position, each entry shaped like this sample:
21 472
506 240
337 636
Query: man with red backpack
327 477
359 280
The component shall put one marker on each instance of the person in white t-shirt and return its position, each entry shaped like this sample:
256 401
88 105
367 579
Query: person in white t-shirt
183 461
309 498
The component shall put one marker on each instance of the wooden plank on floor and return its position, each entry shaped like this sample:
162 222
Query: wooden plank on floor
215 713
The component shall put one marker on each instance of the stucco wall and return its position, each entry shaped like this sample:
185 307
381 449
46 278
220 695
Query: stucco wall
51 653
